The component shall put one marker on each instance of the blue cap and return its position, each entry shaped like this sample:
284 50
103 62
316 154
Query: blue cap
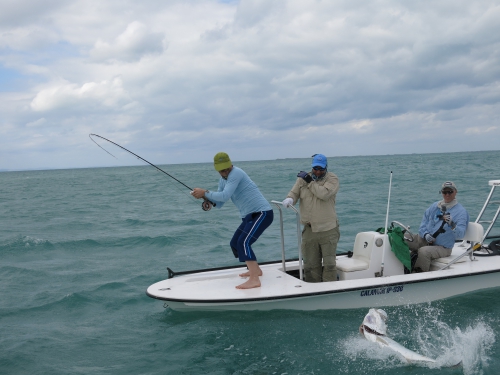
319 160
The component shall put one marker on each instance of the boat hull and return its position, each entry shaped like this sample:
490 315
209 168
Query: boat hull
294 294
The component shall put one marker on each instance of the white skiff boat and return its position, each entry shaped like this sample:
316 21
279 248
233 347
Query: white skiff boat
362 280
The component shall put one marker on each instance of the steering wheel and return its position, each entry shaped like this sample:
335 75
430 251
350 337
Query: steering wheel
406 229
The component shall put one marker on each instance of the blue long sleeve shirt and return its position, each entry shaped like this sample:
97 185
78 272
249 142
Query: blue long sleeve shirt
431 223
244 193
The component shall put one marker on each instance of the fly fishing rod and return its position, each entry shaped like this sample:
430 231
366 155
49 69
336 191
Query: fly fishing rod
206 205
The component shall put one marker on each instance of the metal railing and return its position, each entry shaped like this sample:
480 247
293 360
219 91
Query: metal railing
299 237
493 184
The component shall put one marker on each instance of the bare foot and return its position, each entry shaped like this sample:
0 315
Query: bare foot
246 274
249 284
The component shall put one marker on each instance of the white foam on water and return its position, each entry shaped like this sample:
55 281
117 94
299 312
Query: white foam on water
470 345
469 342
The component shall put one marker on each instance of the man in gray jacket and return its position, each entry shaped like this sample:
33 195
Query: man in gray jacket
317 191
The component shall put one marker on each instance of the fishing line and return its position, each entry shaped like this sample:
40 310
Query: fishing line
204 204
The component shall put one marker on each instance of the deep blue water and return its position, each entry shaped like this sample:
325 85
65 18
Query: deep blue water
78 248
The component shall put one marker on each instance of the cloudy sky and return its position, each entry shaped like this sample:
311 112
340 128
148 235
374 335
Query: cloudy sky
178 81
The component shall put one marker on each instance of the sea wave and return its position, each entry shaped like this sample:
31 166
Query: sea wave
26 243
22 243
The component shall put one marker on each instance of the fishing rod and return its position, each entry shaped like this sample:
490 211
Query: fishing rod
206 205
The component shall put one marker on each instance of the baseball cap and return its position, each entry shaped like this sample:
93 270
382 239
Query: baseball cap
222 161
319 160
449 184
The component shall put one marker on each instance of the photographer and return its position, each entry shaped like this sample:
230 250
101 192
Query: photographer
317 191
444 222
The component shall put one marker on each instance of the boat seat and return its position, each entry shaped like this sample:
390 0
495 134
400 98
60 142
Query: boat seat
353 264
454 254
360 259
473 234
370 249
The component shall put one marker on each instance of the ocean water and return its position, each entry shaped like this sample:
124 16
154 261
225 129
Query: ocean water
78 248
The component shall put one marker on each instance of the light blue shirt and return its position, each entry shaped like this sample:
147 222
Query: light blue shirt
431 223
244 193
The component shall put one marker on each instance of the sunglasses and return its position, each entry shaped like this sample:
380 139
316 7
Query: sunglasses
319 169
446 192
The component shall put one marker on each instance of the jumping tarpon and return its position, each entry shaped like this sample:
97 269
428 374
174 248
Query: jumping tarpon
374 329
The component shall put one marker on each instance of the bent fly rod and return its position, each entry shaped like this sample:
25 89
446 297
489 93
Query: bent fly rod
206 205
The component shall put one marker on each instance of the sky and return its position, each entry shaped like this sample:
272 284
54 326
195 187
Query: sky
178 81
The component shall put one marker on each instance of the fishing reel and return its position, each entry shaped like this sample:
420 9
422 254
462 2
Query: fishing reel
206 205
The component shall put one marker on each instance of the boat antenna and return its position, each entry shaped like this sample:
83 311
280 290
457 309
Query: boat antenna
137 156
386 225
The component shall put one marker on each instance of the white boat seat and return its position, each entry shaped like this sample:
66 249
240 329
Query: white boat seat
353 264
454 254
474 233
361 254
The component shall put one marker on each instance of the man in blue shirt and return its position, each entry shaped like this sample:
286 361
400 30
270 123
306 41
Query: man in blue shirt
256 213
444 222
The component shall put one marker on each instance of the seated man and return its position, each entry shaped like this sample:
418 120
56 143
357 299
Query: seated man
443 223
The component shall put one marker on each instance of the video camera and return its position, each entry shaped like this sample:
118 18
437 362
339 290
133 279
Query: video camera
443 213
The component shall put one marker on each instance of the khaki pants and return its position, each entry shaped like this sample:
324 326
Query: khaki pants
426 252
319 251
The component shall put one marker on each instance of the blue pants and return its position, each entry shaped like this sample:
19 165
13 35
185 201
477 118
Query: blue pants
252 226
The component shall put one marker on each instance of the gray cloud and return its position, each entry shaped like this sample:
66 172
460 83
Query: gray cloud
133 44
283 79
17 13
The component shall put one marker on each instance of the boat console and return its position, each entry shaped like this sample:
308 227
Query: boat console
370 249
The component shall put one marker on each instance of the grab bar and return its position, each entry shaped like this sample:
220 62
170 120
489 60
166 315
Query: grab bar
493 184
299 237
